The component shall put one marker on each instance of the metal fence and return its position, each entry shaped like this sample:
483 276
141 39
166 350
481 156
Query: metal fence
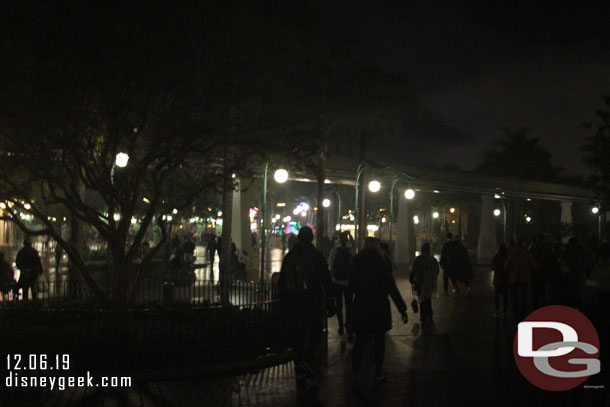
147 293
173 324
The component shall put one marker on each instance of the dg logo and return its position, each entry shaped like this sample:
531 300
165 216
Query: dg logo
557 348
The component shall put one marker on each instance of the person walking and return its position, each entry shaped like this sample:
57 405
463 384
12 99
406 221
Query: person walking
304 285
501 279
340 260
424 273
372 282
29 264
540 252
450 261
574 257
211 249
519 265
7 278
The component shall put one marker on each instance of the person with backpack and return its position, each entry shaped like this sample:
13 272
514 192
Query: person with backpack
304 285
341 259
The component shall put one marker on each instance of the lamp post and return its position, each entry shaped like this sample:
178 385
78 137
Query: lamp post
409 194
280 176
120 160
373 186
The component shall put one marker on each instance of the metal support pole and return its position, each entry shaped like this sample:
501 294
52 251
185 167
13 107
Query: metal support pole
339 221
264 223
394 181
359 172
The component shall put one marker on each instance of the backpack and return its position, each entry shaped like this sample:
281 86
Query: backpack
341 264
295 273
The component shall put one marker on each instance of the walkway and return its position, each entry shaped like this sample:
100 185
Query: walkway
464 360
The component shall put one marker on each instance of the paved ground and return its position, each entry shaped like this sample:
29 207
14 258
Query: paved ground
465 359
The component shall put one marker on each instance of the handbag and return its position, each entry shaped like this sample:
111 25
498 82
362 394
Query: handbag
414 303
415 306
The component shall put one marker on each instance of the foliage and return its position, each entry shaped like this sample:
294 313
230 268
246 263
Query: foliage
518 155
596 152
87 82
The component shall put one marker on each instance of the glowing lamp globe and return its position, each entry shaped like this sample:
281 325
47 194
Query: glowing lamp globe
280 175
121 160
374 186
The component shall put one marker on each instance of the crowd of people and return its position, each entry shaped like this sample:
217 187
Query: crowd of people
357 288
545 273
311 291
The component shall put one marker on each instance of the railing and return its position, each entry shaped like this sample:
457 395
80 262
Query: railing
149 292
188 327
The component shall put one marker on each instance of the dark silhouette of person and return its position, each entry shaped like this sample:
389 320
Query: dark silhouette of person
464 273
372 282
561 290
574 257
29 264
540 252
292 240
211 249
520 264
188 248
450 261
7 276
177 253
501 280
596 303
59 252
304 285
341 259
424 272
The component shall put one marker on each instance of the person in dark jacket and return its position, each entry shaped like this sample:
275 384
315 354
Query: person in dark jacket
211 249
539 276
450 262
371 281
519 265
574 257
424 272
29 264
304 285
501 279
341 259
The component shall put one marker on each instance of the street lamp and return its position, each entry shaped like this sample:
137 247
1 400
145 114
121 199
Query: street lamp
497 212
280 176
120 160
409 194
326 202
372 185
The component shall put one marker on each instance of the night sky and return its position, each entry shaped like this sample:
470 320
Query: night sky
477 66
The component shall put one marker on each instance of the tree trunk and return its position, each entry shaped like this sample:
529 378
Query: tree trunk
120 277
227 209
360 230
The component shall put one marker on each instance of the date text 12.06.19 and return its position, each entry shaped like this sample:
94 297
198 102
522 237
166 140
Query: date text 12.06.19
36 361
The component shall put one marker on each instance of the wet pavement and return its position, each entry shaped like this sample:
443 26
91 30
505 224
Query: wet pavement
464 359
